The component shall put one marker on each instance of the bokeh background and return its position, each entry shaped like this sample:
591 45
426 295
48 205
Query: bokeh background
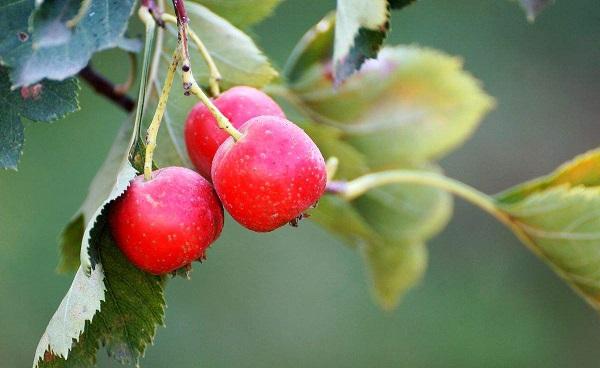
298 297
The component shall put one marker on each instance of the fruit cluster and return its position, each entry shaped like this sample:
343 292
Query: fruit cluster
266 179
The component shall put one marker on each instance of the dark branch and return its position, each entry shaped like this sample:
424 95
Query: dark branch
106 88
182 21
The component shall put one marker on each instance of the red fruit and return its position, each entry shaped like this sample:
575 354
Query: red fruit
238 104
271 175
168 222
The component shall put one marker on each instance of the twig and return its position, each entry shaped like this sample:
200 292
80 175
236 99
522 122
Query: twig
190 86
214 75
155 11
106 88
182 22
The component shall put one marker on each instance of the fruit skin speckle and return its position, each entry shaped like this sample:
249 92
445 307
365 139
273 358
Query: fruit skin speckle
270 176
168 222
239 104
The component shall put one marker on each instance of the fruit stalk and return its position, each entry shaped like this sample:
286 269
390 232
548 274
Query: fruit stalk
191 86
214 75
158 115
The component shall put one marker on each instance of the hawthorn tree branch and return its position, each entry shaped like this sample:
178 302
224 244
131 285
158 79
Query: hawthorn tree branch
106 88
182 23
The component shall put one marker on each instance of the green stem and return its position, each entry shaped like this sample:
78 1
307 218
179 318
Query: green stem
357 187
154 126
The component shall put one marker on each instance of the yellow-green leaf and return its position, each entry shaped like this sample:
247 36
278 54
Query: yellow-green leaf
558 217
394 269
562 225
582 170
411 105
241 13
404 211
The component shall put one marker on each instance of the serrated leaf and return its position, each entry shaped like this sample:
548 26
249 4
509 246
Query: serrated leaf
99 190
557 216
100 29
239 60
11 140
42 102
360 29
117 184
132 307
241 13
409 106
68 322
534 7
394 269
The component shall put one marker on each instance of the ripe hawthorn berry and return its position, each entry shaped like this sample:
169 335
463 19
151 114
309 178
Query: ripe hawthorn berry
271 175
239 104
167 222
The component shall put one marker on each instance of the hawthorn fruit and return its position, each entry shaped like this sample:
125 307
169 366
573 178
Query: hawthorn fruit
271 175
167 222
239 104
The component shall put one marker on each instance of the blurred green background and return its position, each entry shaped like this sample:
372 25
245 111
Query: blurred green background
298 297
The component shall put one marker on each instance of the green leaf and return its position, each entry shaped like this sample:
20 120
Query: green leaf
11 140
534 7
582 170
131 305
239 60
236 55
70 244
95 224
394 269
49 22
409 106
241 13
14 22
361 27
68 322
42 102
316 46
100 189
557 217
562 226
404 211
390 226
99 30
330 142
339 217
